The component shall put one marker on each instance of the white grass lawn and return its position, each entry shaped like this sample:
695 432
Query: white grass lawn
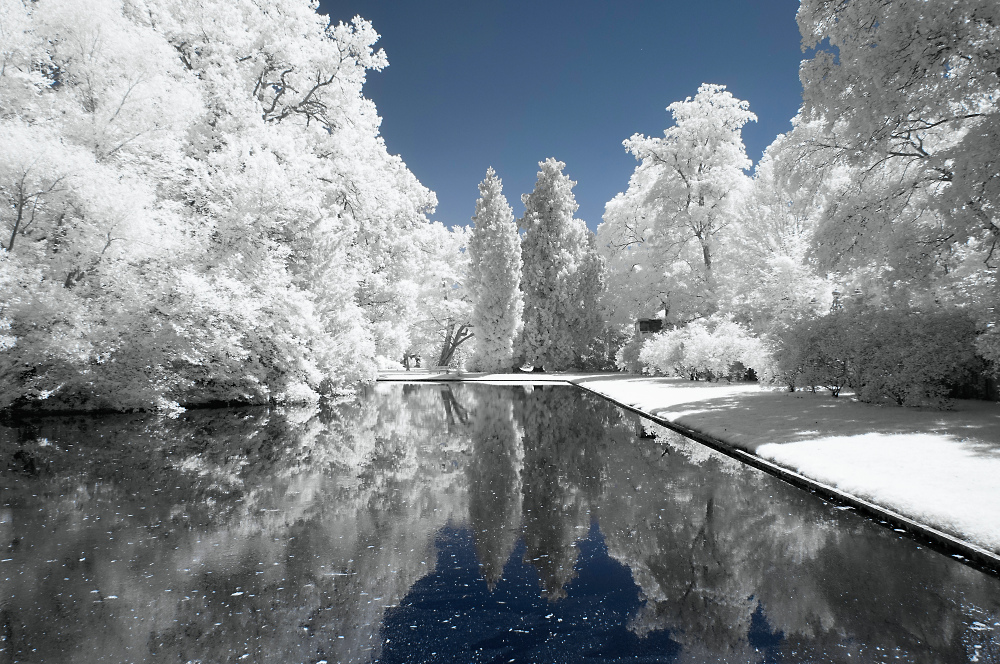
940 468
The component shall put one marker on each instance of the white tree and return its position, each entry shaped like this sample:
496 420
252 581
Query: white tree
907 108
35 171
442 329
495 254
768 278
553 249
901 100
591 344
661 235
206 211
353 209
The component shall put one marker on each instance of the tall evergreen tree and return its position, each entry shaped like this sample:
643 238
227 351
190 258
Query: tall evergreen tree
553 249
589 327
495 255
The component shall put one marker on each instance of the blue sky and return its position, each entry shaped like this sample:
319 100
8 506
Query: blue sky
507 84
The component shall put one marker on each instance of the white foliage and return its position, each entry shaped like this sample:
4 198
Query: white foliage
553 249
708 348
901 98
660 238
198 206
495 271
442 331
767 278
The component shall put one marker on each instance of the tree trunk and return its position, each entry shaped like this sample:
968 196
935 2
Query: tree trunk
452 340
17 222
445 355
452 408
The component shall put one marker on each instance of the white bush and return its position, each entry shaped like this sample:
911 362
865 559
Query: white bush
713 348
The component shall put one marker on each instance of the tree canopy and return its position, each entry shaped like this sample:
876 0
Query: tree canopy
661 236
197 205
554 248
495 253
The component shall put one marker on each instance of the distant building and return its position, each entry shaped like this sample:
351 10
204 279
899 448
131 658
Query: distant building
649 325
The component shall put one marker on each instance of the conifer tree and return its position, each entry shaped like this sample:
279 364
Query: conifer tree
553 249
495 255
589 325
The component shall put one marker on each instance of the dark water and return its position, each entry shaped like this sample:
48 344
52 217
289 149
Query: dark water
448 524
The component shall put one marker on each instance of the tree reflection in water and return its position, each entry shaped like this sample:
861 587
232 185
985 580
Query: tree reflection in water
258 535
494 473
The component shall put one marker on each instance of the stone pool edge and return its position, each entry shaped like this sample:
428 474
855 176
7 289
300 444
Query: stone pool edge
943 542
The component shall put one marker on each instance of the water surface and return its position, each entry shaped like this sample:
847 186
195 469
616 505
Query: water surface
437 523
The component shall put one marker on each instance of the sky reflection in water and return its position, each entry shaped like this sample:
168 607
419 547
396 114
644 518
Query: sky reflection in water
448 523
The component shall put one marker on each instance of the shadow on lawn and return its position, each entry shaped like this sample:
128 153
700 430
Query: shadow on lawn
655 380
751 420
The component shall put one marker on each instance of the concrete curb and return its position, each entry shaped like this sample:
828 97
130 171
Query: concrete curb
965 552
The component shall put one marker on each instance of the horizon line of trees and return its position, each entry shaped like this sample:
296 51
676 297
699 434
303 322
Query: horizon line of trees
199 214
887 187
521 292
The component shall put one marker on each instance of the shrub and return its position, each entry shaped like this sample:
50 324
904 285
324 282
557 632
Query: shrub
627 357
712 349
602 353
901 356
988 345
810 354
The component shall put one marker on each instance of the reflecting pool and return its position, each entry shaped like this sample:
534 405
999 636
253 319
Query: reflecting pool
448 523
